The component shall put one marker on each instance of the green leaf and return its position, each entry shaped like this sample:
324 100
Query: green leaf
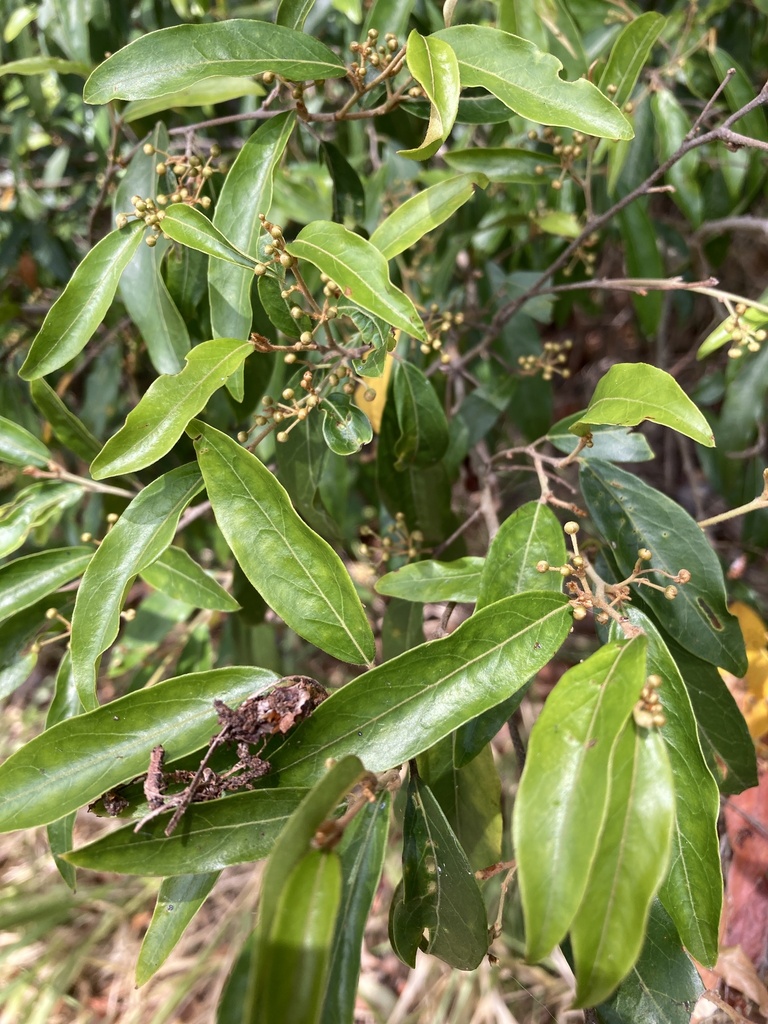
348 190
639 234
504 164
432 63
402 628
672 125
693 890
27 580
140 535
295 955
530 534
187 225
346 428
562 799
631 515
400 709
79 759
420 417
301 465
424 212
154 426
664 984
312 591
439 893
246 193
32 507
629 53
469 795
42 64
20 448
278 309
142 288
83 304
528 81
179 899
362 851
629 866
374 332
293 13
189 53
69 430
632 392
359 269
212 835
613 444
205 93
178 575
432 581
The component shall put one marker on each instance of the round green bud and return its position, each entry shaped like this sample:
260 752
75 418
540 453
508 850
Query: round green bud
161 168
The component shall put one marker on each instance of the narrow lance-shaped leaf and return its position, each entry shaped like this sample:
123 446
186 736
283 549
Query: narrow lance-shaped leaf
32 507
69 430
528 81
207 92
179 899
20 448
400 709
563 796
631 515
80 758
293 13
140 535
433 64
78 311
504 163
424 212
631 861
628 55
431 580
178 575
632 392
359 269
164 410
186 225
189 53
423 427
26 580
297 573
40 65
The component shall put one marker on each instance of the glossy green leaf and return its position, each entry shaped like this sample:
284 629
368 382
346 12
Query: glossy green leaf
302 463
69 430
293 13
663 986
474 735
186 225
154 426
142 289
439 893
295 955
362 851
629 866
20 448
179 899
530 534
27 580
278 309
613 444
246 193
402 708
739 91
424 212
32 507
42 64
207 92
348 189
504 164
420 417
59 834
432 63
672 126
402 628
639 233
472 110
430 581
374 332
389 16
83 304
628 55
346 428
562 799
80 758
189 53
359 269
693 889
632 515
753 318
140 535
178 575
312 590
212 835
469 795
633 392
528 81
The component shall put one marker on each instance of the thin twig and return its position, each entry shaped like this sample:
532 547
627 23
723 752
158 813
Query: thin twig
761 501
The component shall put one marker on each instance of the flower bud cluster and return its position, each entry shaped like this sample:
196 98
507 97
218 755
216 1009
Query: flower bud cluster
648 713
745 337
549 362
371 53
396 541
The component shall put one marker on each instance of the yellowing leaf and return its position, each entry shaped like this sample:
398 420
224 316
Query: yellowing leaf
753 698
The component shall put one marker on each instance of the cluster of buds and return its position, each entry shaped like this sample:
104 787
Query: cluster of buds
586 255
397 541
648 712
373 54
436 326
611 89
745 337
274 253
567 152
549 362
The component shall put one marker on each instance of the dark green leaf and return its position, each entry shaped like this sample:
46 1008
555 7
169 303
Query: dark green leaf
293 13
629 53
348 190
278 309
374 332
20 448
83 304
346 428
178 900
189 53
312 591
613 444
41 64
69 430
301 463
433 64
424 212
631 515
185 224
642 258
27 580
401 629
672 126
420 417
430 581
504 164
32 507
178 575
